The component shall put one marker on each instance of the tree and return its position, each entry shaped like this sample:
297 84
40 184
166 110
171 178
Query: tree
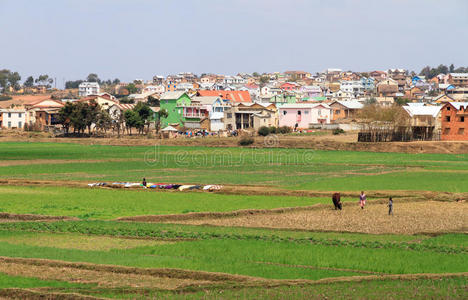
104 121
255 74
401 101
152 101
64 116
132 89
4 78
44 80
132 119
264 80
162 113
451 68
93 77
144 112
13 79
73 84
116 81
29 81
91 114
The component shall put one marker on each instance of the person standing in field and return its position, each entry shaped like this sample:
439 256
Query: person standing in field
362 199
390 206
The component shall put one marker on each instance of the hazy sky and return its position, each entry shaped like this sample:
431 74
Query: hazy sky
132 39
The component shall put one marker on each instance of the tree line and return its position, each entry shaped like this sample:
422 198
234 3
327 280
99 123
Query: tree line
82 116
92 77
430 72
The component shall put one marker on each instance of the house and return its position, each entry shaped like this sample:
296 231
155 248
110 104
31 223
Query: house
88 88
13 118
458 79
43 113
454 119
345 109
279 98
425 120
353 87
233 96
311 91
105 101
205 112
250 116
289 86
387 87
443 99
143 97
173 103
301 115
117 109
297 75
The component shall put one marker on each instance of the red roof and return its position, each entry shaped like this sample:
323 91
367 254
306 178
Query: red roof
235 96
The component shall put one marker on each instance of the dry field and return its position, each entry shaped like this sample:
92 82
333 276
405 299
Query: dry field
408 218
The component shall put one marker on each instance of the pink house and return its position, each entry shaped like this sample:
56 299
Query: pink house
304 114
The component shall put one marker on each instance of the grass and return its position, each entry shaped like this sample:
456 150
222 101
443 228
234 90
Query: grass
446 288
8 281
291 168
88 203
256 257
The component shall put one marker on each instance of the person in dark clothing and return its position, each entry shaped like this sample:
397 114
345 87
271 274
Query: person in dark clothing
336 198
390 206
144 182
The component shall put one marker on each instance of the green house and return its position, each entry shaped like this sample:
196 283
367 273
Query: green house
172 102
285 98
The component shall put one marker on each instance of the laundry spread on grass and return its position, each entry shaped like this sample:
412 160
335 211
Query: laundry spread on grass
165 186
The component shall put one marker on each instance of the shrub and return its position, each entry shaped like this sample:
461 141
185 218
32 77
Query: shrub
273 129
263 131
246 140
4 97
284 129
337 131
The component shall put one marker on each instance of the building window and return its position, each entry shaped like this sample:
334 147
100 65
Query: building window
447 118
284 112
20 125
19 115
462 119
306 112
298 112
229 115
9 115
448 107
337 111
446 130
461 131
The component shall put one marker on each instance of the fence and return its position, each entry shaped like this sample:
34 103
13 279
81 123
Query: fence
406 134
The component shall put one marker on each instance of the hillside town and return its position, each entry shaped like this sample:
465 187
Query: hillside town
433 103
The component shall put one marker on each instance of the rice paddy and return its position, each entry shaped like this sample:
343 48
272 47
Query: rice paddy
271 233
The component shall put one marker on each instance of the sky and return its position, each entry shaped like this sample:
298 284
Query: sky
137 39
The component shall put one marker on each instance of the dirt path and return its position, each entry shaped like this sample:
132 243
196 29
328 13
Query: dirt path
8 163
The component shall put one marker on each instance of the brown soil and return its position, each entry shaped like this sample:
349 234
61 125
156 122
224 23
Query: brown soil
409 218
29 217
7 163
326 142
39 294
101 278
129 271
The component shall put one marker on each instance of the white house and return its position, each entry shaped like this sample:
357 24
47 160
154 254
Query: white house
354 87
13 118
88 88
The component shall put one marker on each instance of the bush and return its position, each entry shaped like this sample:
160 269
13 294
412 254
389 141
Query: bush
246 140
273 129
263 131
4 97
284 129
337 131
